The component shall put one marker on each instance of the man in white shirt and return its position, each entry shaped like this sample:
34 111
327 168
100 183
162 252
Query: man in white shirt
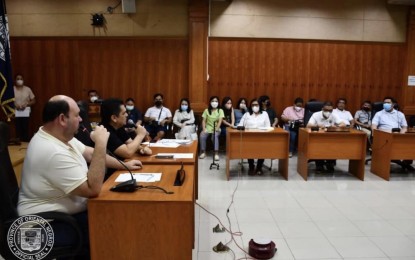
55 174
157 118
341 112
322 119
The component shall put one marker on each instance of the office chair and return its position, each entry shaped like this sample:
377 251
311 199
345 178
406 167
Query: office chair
310 108
9 192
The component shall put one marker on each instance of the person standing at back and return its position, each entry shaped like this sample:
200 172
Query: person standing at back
23 100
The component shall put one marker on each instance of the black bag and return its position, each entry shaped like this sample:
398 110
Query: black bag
295 125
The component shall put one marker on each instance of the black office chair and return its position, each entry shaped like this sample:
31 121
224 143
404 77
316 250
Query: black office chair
310 108
9 192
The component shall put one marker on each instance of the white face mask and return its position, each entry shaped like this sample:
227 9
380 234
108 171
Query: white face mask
19 82
242 106
298 109
214 104
228 106
326 114
129 108
94 98
255 109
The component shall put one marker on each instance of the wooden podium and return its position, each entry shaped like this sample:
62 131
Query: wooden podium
332 145
390 146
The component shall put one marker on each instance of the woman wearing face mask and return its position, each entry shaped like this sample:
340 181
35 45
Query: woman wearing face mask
184 119
293 117
240 110
134 115
212 120
23 100
255 118
229 119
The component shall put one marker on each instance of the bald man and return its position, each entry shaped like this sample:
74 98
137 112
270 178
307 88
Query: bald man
55 174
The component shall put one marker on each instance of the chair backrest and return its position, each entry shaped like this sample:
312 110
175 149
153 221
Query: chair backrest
376 107
310 108
9 189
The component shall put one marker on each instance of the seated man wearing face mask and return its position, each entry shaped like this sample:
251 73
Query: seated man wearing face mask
363 118
157 118
388 119
344 115
93 96
322 119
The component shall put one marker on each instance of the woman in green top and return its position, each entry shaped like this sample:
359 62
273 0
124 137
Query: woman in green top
212 115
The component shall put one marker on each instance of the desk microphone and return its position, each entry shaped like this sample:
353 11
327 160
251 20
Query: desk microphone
126 186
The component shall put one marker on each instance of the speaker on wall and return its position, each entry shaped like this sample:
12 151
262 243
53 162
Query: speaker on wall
128 6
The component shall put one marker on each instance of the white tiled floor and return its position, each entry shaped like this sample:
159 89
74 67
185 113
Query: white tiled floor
330 216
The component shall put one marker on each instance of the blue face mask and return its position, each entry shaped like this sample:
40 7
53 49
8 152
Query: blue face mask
184 107
387 106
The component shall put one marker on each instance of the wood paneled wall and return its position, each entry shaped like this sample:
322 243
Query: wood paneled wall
285 70
116 67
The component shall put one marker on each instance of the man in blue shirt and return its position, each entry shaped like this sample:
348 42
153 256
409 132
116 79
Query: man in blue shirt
389 118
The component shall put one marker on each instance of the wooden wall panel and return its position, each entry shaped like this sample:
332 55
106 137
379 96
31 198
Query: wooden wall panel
116 67
286 69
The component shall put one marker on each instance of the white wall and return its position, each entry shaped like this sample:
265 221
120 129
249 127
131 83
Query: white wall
73 18
356 20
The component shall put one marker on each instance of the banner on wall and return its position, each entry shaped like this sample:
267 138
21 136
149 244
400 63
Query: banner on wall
6 79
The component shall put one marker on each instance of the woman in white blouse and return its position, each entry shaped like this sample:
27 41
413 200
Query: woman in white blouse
255 118
184 119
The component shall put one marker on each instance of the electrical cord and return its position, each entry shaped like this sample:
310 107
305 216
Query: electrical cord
152 187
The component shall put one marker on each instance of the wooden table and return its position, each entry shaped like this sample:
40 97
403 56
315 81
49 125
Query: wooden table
332 145
184 148
390 146
17 155
262 144
145 224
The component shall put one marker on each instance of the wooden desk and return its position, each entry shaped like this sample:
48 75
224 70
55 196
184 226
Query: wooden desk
332 145
146 224
17 155
184 148
390 146
253 144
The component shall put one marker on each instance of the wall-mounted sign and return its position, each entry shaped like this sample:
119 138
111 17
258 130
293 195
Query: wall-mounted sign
411 80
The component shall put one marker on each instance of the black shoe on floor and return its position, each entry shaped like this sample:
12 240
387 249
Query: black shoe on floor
330 168
319 169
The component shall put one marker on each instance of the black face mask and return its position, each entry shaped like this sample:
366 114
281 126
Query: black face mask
268 104
158 103
366 108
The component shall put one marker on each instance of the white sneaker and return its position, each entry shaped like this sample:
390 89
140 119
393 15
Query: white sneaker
202 156
290 155
216 157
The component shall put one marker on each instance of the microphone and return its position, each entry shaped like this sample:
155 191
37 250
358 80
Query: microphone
126 186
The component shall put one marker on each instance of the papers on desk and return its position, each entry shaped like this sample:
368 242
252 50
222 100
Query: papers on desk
169 143
266 128
178 155
22 113
139 177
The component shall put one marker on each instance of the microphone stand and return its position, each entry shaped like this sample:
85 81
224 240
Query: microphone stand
213 164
